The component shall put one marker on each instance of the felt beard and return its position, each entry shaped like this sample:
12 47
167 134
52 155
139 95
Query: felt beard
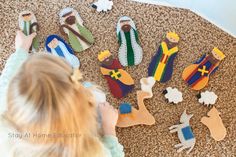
130 51
161 66
62 51
120 82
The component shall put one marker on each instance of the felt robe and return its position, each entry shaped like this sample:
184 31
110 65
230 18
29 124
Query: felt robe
76 43
119 81
26 31
197 75
161 66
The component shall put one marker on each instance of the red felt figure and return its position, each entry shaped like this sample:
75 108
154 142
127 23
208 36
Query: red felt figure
119 81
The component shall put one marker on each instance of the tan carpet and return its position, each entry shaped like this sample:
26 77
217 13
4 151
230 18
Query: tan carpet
197 37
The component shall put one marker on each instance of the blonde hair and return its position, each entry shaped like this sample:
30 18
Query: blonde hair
43 99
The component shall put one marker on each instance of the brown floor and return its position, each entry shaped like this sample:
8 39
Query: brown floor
197 37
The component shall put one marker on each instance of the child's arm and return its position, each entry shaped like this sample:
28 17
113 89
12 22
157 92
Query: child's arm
109 117
12 65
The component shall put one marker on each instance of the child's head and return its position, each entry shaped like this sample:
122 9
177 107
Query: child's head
45 97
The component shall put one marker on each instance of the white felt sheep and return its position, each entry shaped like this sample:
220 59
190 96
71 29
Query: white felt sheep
173 95
207 98
103 5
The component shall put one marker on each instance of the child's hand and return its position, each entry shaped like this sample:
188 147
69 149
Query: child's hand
109 117
23 41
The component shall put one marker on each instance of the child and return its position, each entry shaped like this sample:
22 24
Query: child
47 112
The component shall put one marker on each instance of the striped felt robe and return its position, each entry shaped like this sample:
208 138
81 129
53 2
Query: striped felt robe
161 66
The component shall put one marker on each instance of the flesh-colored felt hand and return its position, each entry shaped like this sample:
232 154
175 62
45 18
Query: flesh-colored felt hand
109 117
23 41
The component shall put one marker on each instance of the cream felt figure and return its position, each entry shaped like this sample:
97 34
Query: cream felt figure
215 124
130 51
185 133
28 24
129 116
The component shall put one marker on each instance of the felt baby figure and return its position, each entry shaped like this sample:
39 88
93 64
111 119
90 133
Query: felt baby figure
129 116
215 124
28 24
197 75
103 5
58 47
130 51
80 38
185 133
161 66
119 81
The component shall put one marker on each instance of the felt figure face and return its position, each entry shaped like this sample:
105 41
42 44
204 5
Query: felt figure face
125 25
217 54
105 58
70 16
27 17
53 44
172 37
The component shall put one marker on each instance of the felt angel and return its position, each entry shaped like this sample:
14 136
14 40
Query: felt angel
58 47
119 81
103 5
80 38
28 24
130 51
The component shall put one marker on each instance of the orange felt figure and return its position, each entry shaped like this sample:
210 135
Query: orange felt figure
215 124
141 115
197 75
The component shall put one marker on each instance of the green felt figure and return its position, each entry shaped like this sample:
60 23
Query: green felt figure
28 24
80 38
130 51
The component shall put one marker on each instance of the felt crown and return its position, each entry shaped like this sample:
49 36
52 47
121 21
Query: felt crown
172 35
219 53
103 55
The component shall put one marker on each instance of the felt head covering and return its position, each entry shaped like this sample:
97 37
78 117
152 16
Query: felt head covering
51 37
131 22
67 10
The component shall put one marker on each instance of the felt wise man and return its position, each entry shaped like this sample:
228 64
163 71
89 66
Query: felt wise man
28 24
130 51
119 81
80 38
161 66
58 47
197 75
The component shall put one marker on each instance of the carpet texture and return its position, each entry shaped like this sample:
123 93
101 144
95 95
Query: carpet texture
197 36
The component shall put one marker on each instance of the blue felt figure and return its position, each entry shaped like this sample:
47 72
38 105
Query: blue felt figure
58 47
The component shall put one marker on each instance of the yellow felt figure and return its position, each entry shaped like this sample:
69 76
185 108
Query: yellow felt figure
215 124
